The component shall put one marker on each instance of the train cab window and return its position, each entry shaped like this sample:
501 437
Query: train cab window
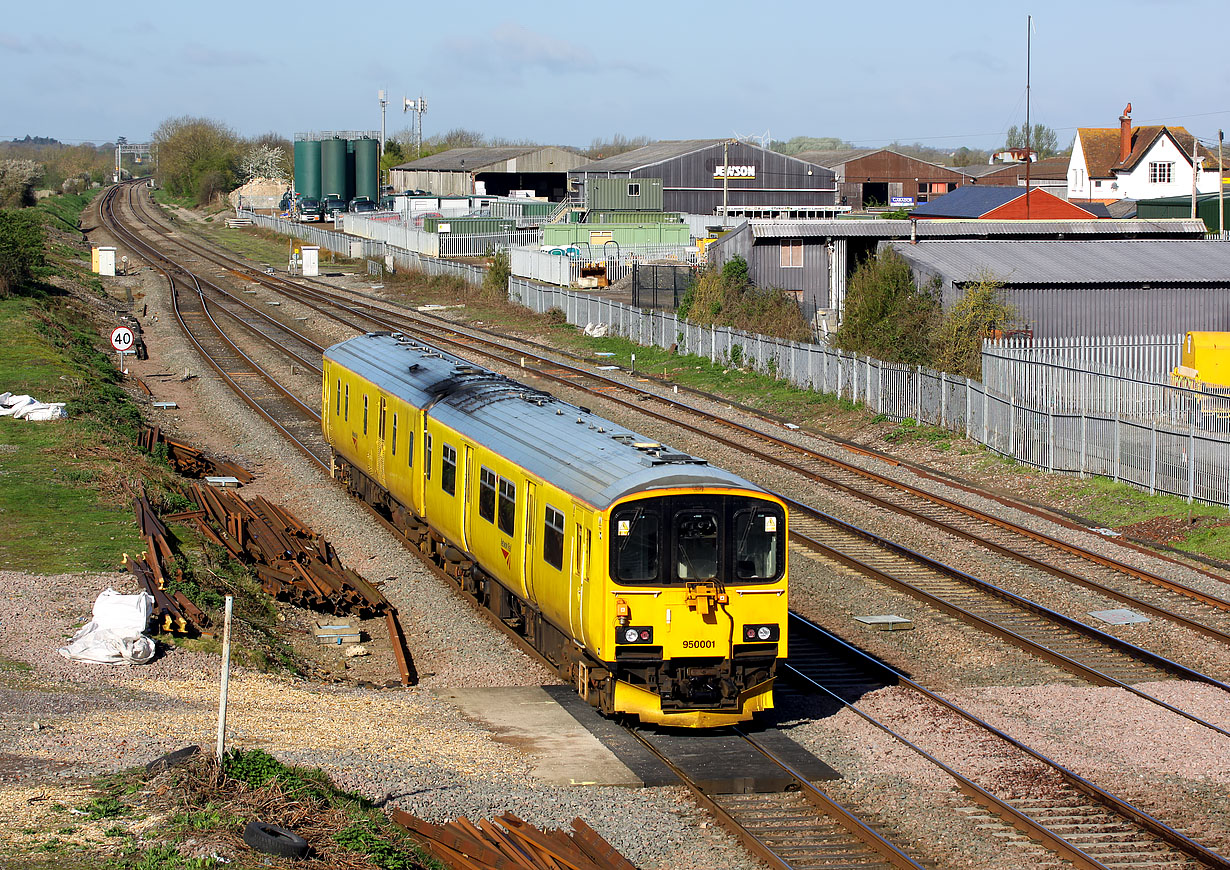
508 507
427 459
380 421
394 434
346 410
758 544
365 413
448 469
553 538
486 494
337 398
636 545
696 545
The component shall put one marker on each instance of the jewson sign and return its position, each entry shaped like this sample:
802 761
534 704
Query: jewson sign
724 171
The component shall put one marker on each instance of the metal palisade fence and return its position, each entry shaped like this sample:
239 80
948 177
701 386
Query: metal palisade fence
350 246
1163 439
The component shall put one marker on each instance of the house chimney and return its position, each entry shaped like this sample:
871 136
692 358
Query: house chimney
1125 133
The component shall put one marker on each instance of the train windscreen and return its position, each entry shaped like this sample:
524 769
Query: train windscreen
682 539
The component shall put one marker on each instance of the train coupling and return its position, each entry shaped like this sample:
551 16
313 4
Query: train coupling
704 596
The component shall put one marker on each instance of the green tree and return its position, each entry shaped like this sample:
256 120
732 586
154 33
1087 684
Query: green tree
799 144
887 315
21 249
197 157
977 314
1043 140
727 297
393 155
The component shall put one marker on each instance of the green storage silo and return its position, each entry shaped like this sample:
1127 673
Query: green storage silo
307 168
367 169
333 167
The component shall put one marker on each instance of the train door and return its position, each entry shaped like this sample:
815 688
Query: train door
382 445
467 460
582 543
528 556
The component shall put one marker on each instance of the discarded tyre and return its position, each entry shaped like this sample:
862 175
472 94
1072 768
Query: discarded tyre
274 840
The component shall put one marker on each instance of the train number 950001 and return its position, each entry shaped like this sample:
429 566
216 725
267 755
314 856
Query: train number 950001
699 644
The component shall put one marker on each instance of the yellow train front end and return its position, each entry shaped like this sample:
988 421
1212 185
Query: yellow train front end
693 613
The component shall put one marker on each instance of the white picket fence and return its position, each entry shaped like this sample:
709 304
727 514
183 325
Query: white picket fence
1179 452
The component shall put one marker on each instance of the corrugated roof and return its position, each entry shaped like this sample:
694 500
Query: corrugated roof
648 155
1133 262
586 455
940 228
469 159
1048 168
836 158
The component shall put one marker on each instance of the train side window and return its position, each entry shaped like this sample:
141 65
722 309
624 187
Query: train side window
427 459
346 415
395 434
696 545
448 469
636 545
410 448
758 544
380 422
508 506
365 413
337 398
553 538
486 494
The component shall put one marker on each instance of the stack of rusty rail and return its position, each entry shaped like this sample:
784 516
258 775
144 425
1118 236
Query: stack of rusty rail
293 562
172 609
508 843
189 461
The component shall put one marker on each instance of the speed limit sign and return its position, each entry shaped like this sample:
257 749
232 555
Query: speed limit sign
122 338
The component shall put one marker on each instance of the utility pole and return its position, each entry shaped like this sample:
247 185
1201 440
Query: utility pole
725 180
1195 170
1029 26
1221 189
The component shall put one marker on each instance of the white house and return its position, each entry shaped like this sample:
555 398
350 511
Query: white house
1138 162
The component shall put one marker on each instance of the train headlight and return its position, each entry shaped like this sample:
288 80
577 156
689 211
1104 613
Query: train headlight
761 633
642 634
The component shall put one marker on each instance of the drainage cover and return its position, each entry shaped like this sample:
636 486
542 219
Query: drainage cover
1122 616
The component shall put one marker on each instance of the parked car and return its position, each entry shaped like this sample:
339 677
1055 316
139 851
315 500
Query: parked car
363 205
311 210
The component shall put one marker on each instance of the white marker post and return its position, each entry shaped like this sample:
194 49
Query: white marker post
226 676
122 340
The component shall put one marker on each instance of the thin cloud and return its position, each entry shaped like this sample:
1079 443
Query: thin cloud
41 44
204 55
510 48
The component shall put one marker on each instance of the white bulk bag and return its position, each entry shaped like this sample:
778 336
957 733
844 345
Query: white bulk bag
115 632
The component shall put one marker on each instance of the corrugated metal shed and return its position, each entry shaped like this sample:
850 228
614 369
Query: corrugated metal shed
588 456
522 158
1125 262
649 155
895 229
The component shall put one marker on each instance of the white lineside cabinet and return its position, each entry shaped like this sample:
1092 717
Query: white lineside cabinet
311 261
106 261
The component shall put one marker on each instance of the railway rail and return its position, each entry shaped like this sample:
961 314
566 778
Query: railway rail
1083 650
751 808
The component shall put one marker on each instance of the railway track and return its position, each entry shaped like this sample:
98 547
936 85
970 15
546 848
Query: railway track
1049 803
798 837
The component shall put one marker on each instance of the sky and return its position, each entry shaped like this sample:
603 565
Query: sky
569 73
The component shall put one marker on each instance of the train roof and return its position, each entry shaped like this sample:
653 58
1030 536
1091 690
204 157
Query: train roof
588 456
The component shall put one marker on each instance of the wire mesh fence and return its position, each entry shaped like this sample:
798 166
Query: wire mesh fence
1163 439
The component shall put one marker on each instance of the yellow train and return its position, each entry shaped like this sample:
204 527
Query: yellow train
653 581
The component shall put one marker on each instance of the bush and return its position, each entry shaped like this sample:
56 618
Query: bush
21 250
728 298
495 282
958 340
887 316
